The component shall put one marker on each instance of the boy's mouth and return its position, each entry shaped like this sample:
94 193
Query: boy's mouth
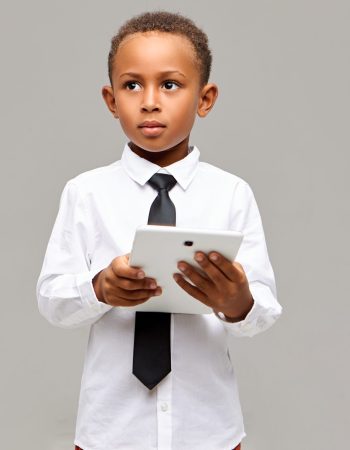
151 124
151 127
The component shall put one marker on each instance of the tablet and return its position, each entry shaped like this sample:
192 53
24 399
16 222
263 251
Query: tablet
157 250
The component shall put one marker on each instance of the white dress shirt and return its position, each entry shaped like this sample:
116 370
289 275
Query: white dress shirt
196 407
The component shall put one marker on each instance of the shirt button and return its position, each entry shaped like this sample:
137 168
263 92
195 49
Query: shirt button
164 406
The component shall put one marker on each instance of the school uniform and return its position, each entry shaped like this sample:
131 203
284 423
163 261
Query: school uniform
196 406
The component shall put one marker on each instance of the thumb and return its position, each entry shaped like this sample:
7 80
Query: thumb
238 266
126 258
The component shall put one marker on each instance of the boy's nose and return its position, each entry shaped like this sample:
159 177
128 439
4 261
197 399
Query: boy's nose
150 101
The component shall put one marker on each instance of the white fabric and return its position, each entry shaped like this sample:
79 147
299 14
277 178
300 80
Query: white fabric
197 405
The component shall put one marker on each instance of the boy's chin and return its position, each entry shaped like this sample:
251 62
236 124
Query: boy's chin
150 148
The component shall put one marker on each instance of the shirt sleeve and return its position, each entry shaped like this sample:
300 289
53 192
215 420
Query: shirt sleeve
253 257
65 294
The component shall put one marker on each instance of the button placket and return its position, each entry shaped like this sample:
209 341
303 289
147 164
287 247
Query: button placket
164 414
164 406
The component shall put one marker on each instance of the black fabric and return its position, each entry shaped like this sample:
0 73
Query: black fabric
152 360
162 211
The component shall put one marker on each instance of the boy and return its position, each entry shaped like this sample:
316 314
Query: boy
159 66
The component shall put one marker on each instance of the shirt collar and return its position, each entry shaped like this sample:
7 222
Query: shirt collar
141 170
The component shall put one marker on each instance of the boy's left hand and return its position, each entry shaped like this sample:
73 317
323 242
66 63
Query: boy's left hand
224 287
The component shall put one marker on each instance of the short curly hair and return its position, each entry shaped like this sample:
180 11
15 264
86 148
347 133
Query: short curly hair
166 22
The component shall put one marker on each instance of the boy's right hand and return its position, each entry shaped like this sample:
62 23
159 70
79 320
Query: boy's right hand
122 285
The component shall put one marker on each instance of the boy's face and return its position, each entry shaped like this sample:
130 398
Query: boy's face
155 78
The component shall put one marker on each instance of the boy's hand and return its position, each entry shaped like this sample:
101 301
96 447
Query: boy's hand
224 287
122 285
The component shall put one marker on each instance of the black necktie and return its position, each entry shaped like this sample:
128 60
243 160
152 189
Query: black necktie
152 360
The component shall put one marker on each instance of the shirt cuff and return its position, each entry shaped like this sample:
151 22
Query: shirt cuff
262 315
87 292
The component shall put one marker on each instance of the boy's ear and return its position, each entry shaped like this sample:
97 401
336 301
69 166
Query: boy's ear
207 98
108 97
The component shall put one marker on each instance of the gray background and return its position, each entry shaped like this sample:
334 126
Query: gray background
281 122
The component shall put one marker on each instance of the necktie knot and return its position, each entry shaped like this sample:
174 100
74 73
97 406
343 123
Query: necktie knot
160 181
162 211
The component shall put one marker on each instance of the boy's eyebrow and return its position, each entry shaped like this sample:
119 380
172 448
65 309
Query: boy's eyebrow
166 72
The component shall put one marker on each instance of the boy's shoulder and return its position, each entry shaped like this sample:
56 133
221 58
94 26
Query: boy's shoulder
220 175
95 176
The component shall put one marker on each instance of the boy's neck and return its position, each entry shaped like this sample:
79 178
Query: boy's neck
163 158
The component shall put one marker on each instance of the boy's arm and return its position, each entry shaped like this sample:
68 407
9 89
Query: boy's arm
242 293
65 294
254 259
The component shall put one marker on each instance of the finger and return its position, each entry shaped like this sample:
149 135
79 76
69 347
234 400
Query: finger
213 272
239 272
121 268
201 282
225 265
190 289
238 266
131 285
138 294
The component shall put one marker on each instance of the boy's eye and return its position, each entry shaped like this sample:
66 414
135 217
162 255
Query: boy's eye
131 85
168 85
